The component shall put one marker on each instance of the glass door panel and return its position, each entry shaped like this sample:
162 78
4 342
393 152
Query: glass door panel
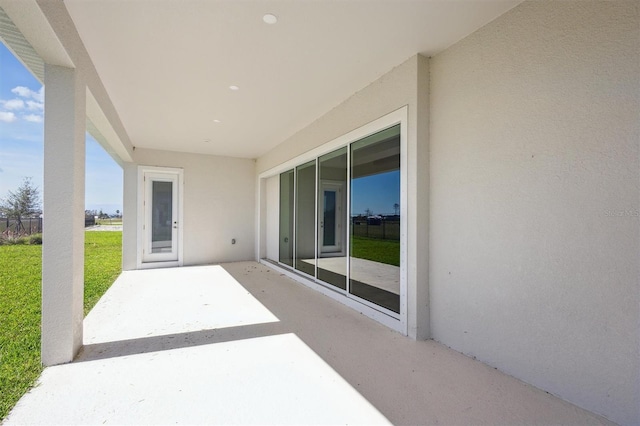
160 228
328 221
286 217
375 219
305 218
161 217
332 218
340 219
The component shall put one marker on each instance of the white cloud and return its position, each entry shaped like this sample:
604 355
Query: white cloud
27 99
35 106
33 118
13 104
7 117
40 96
25 92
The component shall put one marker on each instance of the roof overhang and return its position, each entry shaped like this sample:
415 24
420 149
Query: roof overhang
159 73
30 34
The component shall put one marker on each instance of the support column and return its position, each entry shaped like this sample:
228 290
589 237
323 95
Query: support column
130 217
63 199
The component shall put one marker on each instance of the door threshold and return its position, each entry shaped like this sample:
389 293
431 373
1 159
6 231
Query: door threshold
154 265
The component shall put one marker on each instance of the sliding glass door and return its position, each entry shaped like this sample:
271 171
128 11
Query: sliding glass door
305 226
332 217
286 217
374 263
340 219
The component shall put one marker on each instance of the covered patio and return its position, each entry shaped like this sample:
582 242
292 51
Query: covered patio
239 343
502 134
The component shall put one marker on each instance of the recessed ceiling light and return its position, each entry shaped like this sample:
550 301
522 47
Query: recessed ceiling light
234 88
270 19
216 121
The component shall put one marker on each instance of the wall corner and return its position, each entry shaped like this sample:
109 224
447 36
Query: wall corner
419 322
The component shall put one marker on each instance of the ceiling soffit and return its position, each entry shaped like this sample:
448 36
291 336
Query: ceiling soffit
167 65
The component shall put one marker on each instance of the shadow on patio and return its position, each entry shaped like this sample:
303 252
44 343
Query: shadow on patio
240 343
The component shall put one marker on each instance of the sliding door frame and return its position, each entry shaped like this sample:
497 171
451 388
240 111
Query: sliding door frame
392 319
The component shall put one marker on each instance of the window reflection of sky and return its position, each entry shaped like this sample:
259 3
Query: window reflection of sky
377 193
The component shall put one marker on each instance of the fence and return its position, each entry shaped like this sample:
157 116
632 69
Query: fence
381 227
20 227
29 225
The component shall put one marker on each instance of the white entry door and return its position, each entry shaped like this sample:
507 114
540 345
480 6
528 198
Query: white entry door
161 221
331 214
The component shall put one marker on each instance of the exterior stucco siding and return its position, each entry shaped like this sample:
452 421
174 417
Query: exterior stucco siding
394 90
219 205
535 192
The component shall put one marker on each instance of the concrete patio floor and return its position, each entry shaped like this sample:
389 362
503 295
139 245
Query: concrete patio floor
241 344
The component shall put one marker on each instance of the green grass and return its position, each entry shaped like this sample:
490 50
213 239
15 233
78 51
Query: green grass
20 301
20 272
102 264
377 250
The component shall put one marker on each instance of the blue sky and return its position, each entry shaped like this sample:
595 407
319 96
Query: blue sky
21 140
376 192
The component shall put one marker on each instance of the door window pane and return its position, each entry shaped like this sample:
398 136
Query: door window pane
161 216
375 219
305 225
286 218
329 218
332 217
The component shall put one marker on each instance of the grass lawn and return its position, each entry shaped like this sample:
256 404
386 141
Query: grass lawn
383 251
102 264
20 301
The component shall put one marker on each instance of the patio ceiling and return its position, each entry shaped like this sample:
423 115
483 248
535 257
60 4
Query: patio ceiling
167 65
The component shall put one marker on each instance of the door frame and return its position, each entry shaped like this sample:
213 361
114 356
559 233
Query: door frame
340 189
148 256
143 171
408 283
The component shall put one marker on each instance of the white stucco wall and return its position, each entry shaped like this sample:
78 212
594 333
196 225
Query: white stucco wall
394 90
390 92
219 205
535 234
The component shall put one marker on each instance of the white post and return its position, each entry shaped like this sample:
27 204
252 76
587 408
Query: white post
63 228
130 217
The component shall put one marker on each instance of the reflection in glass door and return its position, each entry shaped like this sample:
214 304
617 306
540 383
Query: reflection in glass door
344 219
305 223
374 263
332 217
286 218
